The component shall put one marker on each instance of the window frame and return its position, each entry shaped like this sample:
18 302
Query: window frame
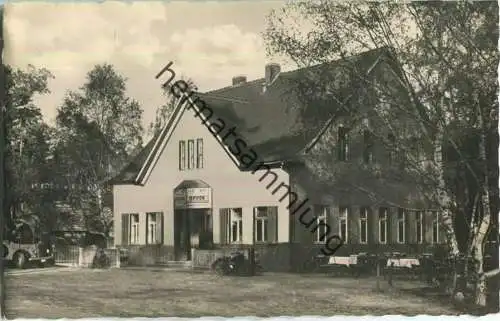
344 215
182 155
151 231
368 147
199 153
264 225
401 219
363 218
435 227
238 213
134 230
382 219
343 143
392 145
419 221
191 159
320 234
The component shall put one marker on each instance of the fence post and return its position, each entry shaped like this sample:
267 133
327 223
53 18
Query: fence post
117 257
80 257
378 274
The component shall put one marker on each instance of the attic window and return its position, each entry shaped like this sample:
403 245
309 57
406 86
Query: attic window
391 148
342 142
368 146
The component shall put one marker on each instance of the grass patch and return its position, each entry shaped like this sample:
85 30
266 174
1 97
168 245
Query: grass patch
168 293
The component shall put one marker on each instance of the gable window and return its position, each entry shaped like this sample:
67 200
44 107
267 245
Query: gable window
401 225
182 155
134 229
266 227
236 231
321 230
368 147
343 145
343 213
382 225
435 227
363 225
191 156
419 227
199 153
154 224
392 148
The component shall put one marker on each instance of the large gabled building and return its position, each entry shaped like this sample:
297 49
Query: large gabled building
230 172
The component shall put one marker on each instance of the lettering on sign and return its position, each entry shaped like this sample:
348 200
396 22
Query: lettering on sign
193 198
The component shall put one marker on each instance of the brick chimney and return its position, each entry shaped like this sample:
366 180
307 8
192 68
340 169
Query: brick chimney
238 80
272 72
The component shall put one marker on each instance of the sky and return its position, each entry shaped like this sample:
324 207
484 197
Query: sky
208 41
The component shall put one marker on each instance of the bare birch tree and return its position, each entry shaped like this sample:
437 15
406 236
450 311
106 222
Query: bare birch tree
441 56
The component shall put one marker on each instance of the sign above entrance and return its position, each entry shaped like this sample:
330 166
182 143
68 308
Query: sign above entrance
195 197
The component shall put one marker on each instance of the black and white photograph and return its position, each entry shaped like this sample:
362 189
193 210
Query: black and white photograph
249 158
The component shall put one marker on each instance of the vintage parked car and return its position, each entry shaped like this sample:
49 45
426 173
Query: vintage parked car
235 264
24 246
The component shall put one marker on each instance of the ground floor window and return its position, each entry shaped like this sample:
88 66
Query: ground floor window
134 229
435 227
382 225
363 225
321 229
154 228
266 227
236 225
401 226
231 225
344 211
419 228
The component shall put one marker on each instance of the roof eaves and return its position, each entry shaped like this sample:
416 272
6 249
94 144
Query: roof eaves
160 143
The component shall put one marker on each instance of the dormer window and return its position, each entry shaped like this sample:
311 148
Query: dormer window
343 144
391 148
368 146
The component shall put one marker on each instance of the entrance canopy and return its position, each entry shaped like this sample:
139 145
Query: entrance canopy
192 194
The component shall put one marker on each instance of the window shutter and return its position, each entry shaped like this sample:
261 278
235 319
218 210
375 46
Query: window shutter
148 232
224 225
159 228
272 226
125 228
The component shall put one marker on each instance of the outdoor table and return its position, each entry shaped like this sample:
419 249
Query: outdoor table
344 260
403 262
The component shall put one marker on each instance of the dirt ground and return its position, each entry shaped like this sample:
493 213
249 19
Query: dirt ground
161 293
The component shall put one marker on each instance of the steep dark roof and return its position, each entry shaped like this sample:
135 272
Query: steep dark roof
269 121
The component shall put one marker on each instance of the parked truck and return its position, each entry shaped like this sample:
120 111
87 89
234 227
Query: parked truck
25 246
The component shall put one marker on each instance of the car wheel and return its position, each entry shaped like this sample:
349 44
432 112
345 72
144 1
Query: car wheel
20 260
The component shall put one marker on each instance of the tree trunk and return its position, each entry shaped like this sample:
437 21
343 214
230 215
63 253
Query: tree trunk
444 203
484 226
444 200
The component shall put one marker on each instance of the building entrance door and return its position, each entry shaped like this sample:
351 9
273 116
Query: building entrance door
192 218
